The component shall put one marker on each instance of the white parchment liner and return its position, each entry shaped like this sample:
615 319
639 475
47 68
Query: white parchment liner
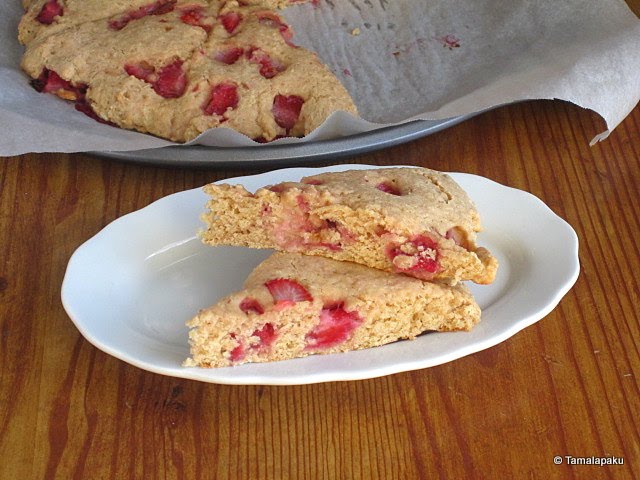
401 60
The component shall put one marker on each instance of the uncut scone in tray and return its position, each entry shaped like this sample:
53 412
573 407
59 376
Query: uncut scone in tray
178 68
413 221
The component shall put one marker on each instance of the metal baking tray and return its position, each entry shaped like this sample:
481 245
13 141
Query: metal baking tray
284 155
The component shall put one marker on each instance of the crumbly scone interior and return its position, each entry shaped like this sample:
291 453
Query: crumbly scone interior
375 307
428 232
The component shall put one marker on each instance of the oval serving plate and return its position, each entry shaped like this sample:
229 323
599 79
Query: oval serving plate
130 288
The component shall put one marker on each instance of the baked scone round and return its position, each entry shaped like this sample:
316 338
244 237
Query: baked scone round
414 221
178 68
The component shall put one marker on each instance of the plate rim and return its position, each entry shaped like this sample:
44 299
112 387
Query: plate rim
319 377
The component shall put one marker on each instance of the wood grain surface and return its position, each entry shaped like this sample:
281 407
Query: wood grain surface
567 385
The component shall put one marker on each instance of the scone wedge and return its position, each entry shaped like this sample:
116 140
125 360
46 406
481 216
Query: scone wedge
413 221
294 305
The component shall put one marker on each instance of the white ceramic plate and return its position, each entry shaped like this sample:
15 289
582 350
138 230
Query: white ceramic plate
130 288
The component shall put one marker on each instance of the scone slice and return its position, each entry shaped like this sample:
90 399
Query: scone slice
295 305
414 221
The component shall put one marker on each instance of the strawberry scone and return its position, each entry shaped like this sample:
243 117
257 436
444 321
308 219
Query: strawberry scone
414 221
294 305
178 68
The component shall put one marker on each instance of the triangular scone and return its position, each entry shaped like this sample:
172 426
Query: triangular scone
405 220
295 305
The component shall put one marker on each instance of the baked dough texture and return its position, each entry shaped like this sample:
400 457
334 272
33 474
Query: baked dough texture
413 221
177 68
294 305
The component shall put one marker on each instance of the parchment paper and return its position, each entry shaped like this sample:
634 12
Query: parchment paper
401 60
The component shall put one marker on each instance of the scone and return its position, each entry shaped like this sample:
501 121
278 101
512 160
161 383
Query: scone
178 68
295 305
414 221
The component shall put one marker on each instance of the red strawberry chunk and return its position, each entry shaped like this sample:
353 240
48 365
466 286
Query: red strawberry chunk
287 290
266 334
82 105
270 19
269 67
311 181
286 110
422 253
278 188
229 56
239 352
230 21
172 80
388 187
142 71
50 82
160 7
49 11
224 96
336 326
194 15
251 305
169 82
264 140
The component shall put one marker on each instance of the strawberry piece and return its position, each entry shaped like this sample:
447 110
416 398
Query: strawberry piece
251 305
272 20
269 67
160 7
267 335
312 181
172 80
284 289
239 352
49 11
224 96
169 82
303 204
82 105
264 140
142 71
388 187
421 253
194 15
50 82
286 110
277 188
230 21
335 327
229 56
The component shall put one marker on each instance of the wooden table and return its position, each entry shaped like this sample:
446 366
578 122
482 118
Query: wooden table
567 385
